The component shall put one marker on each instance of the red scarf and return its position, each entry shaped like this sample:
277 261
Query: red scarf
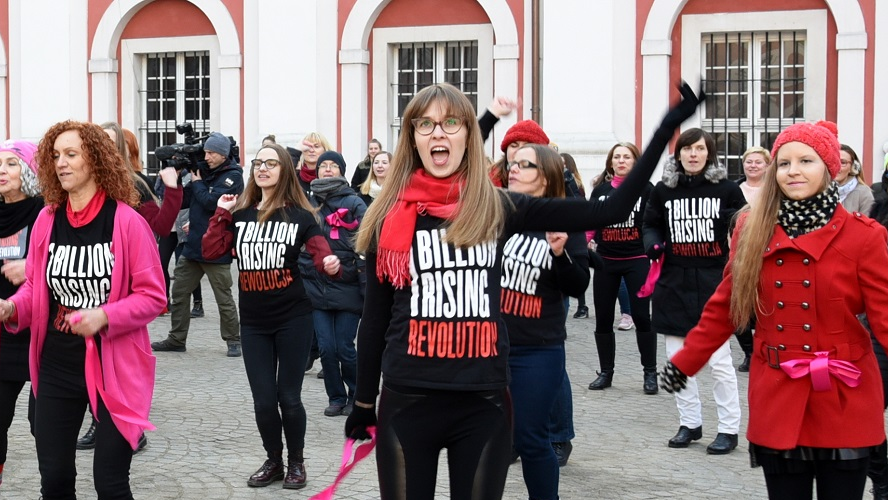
307 174
83 217
424 194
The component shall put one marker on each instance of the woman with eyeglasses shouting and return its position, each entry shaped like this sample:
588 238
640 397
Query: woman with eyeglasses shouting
435 242
266 228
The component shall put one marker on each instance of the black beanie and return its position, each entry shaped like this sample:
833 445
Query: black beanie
335 158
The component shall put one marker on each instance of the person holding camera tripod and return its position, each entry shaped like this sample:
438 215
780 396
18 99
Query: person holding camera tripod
222 175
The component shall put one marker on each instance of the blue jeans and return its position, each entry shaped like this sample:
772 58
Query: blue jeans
336 331
536 371
561 422
275 362
623 297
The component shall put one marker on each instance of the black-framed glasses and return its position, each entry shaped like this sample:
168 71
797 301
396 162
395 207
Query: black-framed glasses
269 164
524 164
425 126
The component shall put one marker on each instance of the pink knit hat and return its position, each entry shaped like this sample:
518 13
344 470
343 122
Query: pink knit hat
822 136
25 151
527 131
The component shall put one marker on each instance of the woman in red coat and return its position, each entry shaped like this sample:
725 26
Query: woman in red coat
805 267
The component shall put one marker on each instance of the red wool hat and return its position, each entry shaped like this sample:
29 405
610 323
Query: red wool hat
527 131
822 136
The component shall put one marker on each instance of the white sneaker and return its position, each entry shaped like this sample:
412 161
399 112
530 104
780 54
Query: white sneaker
625 323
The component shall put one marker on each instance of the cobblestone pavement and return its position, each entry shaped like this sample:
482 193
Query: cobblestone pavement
206 443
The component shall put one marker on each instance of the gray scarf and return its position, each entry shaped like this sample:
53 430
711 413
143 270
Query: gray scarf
322 188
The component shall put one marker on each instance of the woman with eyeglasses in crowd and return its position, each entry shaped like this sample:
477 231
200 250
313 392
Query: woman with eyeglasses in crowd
539 269
432 327
267 227
337 302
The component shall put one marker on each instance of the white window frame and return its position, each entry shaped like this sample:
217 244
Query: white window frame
812 22
132 52
382 125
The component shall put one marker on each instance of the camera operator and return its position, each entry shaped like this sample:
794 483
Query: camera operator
221 176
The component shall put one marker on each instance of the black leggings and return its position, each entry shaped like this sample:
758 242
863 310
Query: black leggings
794 479
474 427
57 420
9 393
605 287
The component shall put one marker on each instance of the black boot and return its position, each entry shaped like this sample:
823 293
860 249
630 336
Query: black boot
744 366
650 382
197 311
604 380
88 441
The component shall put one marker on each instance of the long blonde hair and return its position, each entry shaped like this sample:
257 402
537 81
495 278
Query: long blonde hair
481 214
314 138
371 177
755 233
286 192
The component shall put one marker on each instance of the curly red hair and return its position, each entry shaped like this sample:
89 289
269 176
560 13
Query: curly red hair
108 167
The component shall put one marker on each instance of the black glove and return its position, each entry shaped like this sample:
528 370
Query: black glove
357 422
655 251
672 379
685 109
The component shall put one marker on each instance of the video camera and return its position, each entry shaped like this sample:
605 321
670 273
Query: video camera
190 154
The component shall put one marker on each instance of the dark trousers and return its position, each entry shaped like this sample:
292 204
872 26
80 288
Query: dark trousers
336 331
274 359
58 415
9 393
835 479
537 374
413 428
605 286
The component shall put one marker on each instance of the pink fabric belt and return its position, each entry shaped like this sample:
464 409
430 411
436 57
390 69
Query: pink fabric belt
336 221
820 367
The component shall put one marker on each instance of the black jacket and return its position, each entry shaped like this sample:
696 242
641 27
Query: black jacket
345 293
224 179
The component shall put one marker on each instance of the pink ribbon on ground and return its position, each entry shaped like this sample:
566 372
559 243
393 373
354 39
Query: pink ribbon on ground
821 367
651 281
361 453
336 221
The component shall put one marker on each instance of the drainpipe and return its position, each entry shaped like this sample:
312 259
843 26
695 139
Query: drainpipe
536 55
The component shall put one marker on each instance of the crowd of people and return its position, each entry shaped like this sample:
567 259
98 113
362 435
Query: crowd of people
438 328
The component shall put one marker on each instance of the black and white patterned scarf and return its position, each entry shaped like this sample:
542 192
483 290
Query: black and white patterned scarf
798 217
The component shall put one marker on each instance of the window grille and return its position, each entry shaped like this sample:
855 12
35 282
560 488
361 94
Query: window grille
755 86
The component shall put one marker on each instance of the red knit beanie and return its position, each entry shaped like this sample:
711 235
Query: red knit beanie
527 131
822 136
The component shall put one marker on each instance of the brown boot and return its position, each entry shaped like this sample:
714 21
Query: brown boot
272 470
295 478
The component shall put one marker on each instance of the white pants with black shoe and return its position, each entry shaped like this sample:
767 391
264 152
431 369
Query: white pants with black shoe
724 390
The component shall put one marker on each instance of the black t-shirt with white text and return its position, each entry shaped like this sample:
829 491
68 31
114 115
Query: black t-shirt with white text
269 284
78 275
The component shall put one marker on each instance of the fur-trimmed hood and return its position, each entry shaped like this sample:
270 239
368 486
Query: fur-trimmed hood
672 172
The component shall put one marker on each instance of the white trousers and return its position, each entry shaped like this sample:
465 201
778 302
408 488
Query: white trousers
724 390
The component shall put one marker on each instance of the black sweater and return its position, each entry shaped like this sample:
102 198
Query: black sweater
624 239
535 282
445 331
